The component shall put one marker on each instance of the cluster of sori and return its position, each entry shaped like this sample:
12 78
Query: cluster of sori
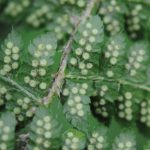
76 105
145 112
43 50
39 70
110 12
40 15
100 107
133 20
24 108
61 27
125 105
113 53
103 99
11 50
77 89
137 57
7 127
4 95
72 142
13 8
43 130
97 141
79 3
88 37
125 141
5 135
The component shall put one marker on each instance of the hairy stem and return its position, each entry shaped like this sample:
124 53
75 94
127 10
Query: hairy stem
101 78
57 82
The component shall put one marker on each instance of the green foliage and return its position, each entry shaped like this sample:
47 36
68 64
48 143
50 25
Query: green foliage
7 131
61 26
125 141
73 139
44 129
11 53
147 146
86 47
42 51
97 86
97 139
4 94
114 56
76 107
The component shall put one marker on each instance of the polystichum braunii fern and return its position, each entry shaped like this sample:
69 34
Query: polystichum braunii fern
73 82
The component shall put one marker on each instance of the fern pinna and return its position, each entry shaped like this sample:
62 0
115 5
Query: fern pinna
93 93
